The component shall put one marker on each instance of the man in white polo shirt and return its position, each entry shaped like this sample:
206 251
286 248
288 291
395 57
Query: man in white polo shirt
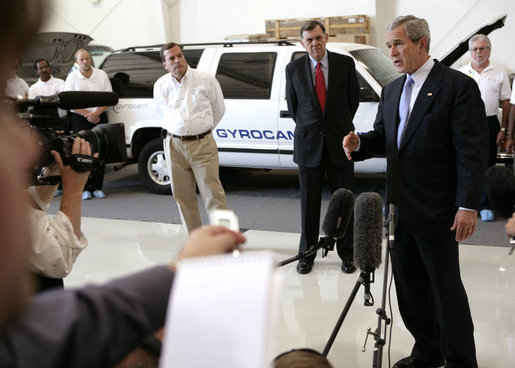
47 84
88 78
494 85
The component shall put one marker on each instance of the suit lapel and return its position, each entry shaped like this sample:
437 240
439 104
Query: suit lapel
307 73
392 95
333 75
425 98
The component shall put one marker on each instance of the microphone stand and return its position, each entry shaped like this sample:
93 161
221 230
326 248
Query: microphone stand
325 242
363 279
382 320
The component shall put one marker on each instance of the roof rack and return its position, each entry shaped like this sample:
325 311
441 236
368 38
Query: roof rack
224 44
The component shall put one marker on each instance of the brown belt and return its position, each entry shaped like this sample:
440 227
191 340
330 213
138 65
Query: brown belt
191 137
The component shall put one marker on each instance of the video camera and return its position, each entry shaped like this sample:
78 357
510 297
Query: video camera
106 139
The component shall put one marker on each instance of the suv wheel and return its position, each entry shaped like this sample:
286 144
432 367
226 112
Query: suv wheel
152 167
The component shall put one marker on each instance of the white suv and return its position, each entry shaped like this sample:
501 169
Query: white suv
256 130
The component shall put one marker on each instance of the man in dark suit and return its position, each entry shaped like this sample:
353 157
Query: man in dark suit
323 95
442 158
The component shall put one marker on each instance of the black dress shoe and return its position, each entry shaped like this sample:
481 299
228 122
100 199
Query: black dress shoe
348 266
411 362
304 267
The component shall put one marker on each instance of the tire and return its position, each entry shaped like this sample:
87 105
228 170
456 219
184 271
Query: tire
152 167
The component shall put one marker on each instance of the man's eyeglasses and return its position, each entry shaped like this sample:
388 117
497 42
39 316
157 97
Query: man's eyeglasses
476 49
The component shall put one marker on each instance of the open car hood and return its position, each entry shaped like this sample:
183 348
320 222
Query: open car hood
462 47
58 48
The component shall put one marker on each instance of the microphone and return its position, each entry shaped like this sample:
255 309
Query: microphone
368 233
339 213
77 100
336 221
69 100
500 188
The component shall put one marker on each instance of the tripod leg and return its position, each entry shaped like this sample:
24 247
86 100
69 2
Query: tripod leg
359 282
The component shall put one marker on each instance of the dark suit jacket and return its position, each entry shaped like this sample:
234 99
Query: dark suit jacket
443 155
312 124
95 326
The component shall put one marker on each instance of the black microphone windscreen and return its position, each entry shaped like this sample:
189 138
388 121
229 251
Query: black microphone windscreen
500 188
368 231
339 213
70 100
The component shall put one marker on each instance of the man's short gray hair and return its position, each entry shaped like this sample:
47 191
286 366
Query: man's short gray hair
415 28
480 37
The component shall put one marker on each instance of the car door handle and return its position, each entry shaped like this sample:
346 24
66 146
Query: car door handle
284 114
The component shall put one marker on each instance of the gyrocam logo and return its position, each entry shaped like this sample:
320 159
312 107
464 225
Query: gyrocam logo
133 106
255 134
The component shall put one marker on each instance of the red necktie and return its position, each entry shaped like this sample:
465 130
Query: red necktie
320 85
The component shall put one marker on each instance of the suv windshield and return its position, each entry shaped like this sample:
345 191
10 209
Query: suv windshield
99 53
377 64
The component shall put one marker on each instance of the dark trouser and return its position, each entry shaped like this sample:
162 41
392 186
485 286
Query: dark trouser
493 130
311 182
78 123
432 299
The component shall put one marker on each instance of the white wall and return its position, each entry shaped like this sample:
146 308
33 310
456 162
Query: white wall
116 23
122 23
210 21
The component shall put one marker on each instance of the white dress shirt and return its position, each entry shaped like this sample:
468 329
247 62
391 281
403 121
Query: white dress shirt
193 106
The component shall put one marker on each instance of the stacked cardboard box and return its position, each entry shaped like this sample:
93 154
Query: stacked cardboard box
348 28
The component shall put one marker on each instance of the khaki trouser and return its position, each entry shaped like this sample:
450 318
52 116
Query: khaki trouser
193 163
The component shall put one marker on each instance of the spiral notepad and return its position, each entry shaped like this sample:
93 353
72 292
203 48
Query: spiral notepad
221 312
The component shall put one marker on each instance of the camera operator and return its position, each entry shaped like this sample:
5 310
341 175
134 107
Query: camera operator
57 241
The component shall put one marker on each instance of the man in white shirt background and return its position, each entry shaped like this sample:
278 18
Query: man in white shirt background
192 104
90 79
494 85
47 84
16 87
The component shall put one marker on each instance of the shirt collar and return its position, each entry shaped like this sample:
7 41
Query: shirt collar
472 70
421 74
82 76
48 81
184 77
324 61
